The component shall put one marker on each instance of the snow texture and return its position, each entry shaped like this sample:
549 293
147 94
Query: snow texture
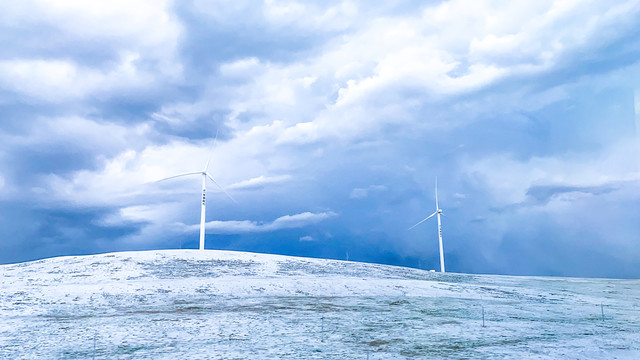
189 304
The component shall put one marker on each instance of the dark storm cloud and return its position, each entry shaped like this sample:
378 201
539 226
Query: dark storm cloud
210 41
27 162
31 232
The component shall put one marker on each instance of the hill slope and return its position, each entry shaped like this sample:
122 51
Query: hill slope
234 305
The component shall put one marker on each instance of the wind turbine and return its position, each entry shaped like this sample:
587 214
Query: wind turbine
438 212
205 174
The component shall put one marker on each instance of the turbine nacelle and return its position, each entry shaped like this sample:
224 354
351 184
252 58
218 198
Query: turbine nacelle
205 174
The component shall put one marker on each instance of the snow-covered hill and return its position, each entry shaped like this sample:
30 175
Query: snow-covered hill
189 304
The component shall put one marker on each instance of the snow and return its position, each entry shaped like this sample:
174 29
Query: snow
235 305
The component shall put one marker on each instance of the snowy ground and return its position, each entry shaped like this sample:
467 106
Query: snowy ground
189 304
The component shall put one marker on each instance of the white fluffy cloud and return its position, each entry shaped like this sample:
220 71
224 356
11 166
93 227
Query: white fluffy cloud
61 80
306 238
246 226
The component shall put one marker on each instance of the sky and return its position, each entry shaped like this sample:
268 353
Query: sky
328 122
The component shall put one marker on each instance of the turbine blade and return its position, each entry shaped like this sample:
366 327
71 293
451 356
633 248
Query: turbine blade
423 220
221 188
437 194
175 176
215 141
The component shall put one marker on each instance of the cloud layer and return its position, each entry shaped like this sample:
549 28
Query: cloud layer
526 113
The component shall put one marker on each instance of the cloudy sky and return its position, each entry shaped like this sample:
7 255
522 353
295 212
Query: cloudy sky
333 121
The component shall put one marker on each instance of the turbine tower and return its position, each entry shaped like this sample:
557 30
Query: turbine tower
205 174
438 212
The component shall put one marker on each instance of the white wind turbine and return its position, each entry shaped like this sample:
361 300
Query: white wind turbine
438 212
205 174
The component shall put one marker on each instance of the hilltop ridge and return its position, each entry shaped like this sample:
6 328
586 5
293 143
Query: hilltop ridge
226 304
